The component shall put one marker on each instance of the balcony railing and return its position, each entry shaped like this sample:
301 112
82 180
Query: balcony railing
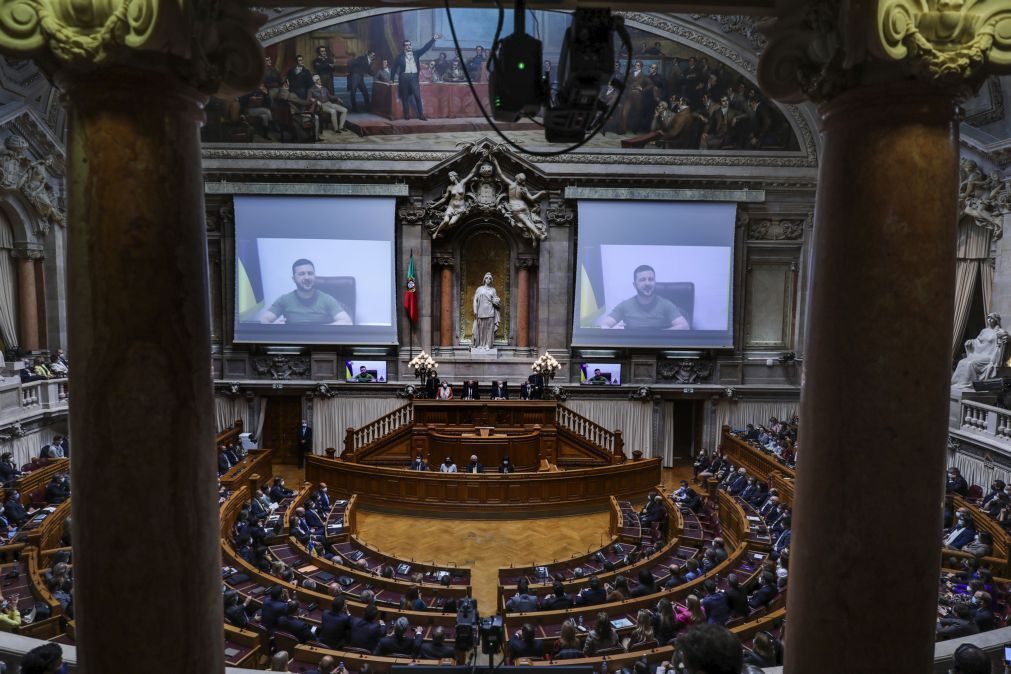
993 422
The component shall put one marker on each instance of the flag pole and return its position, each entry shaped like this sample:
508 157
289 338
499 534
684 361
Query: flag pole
410 323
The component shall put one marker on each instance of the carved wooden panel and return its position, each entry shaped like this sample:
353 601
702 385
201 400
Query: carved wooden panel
770 296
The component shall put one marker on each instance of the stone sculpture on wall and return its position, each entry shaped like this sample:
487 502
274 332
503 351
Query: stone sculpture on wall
487 189
983 199
280 367
18 173
486 314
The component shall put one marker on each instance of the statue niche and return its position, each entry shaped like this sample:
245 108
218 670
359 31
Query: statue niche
484 252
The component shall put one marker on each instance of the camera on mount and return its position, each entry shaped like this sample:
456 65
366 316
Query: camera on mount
515 85
492 634
584 69
466 622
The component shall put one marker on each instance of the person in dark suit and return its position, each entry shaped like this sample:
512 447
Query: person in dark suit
358 68
737 600
298 527
58 489
367 630
955 483
14 511
419 463
959 624
400 641
236 610
474 466
313 519
522 601
299 78
646 585
499 391
324 498
983 617
765 593
223 463
432 387
506 466
436 649
278 492
962 532
8 471
407 65
783 540
274 607
524 644
592 594
292 624
471 391
324 65
326 665
535 386
715 604
557 600
304 439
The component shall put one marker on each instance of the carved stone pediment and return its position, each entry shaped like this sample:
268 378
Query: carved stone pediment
685 371
486 189
776 230
30 178
281 367
983 200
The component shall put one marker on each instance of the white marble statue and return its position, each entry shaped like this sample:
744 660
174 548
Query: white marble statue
486 314
984 355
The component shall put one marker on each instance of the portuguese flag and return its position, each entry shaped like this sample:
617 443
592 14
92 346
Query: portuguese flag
411 293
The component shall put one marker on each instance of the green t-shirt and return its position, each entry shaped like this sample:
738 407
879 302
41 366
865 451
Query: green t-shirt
600 379
364 377
321 308
657 315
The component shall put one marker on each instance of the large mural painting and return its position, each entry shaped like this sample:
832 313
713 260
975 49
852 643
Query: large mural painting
396 80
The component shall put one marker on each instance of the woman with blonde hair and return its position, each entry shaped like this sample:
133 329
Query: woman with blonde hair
643 629
567 646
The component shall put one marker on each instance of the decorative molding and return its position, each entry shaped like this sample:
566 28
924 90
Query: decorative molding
737 23
412 215
410 392
15 430
443 260
776 230
230 390
525 262
561 217
23 252
486 190
222 219
995 112
983 200
306 20
323 189
41 139
322 391
685 371
662 194
557 393
30 179
643 394
281 367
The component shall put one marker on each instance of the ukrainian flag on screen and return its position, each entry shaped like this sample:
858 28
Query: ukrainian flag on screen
248 283
582 373
591 288
347 371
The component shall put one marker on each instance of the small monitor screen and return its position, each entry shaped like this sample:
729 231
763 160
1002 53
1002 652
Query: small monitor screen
600 374
314 270
654 274
365 371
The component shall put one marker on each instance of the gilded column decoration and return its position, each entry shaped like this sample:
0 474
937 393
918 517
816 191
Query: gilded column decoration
206 44
819 49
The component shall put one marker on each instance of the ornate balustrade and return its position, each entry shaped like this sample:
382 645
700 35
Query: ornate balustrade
993 422
607 441
358 439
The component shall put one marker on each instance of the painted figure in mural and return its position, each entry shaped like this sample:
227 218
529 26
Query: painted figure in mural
405 70
486 314
984 355
522 205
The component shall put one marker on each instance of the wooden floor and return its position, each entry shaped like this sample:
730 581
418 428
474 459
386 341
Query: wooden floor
484 545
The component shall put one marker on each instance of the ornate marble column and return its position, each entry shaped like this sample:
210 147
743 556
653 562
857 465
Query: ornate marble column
445 298
523 267
28 308
873 409
135 74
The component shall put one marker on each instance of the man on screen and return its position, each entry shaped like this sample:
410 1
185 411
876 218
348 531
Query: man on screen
306 304
599 378
646 310
363 375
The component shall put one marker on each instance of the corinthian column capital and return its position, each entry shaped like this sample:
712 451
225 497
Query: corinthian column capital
205 44
819 49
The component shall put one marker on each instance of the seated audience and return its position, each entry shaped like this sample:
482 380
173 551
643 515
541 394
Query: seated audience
981 546
958 624
643 632
506 466
970 659
447 466
400 642
956 484
279 661
592 594
237 611
8 471
419 463
567 646
335 624
10 616
558 599
766 591
602 636
292 624
522 601
524 644
763 651
278 492
437 649
710 649
474 466
962 532
367 630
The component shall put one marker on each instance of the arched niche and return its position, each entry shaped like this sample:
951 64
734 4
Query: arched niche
486 245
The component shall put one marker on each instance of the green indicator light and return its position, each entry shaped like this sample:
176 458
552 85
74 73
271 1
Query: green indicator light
521 65
498 101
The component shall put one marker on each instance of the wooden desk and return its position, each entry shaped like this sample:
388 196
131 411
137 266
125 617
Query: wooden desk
402 490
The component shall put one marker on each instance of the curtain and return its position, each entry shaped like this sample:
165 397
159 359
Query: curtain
227 410
261 415
8 287
973 261
740 413
22 449
331 417
633 418
668 421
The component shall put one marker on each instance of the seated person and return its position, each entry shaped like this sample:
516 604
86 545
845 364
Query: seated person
474 466
599 378
524 644
363 375
447 466
419 463
436 649
470 390
292 624
278 492
506 466
646 310
400 642
306 304
499 391
766 592
8 471
558 599
58 489
522 601
14 511
962 532
57 367
445 391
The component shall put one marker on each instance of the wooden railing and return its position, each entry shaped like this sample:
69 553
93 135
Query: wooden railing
752 459
228 435
988 420
591 432
356 439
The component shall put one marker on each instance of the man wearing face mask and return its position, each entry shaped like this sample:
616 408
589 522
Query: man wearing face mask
955 483
962 532
506 466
